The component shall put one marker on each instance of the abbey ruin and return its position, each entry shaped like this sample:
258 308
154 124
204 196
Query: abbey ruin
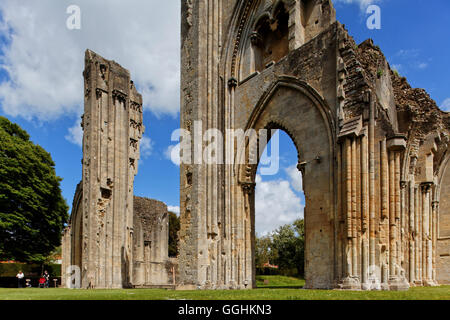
115 239
373 152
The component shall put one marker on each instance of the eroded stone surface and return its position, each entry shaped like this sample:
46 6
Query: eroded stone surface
115 239
376 210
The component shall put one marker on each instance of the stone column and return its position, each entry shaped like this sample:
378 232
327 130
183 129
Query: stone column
249 267
419 278
404 251
351 281
435 205
412 233
340 216
66 256
385 221
367 263
372 220
348 178
426 234
354 190
396 145
392 221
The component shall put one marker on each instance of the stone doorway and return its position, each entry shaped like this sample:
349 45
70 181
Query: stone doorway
279 204
289 106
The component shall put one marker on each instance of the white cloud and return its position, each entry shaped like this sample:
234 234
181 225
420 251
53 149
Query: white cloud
295 178
410 59
75 134
44 60
446 105
422 65
146 147
174 209
172 153
276 205
408 53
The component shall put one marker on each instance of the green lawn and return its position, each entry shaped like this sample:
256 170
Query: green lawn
275 288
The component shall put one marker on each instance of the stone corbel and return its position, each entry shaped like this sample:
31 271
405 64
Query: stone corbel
351 128
435 205
256 39
426 186
232 83
118 95
403 184
248 187
302 167
135 106
397 142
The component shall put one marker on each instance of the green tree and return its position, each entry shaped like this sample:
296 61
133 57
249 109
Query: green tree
263 251
32 209
174 227
289 244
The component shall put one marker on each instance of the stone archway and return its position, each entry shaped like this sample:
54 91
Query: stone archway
294 107
368 182
442 205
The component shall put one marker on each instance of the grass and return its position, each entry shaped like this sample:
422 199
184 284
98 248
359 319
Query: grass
275 288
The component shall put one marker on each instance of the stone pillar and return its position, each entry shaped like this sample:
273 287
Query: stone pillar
66 256
351 280
249 263
397 280
385 209
372 200
392 221
412 233
418 232
435 205
427 233
112 126
354 234
367 263
340 220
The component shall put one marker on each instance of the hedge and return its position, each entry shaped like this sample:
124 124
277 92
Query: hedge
30 270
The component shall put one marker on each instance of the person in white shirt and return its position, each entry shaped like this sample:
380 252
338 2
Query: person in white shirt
20 276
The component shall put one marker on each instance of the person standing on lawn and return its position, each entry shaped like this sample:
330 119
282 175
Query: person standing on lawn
47 279
20 277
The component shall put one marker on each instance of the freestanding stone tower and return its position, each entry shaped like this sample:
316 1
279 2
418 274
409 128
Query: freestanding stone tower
101 239
373 151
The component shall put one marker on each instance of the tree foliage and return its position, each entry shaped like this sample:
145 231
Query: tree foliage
174 227
285 248
32 209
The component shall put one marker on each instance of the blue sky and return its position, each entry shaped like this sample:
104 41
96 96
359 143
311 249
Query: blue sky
41 64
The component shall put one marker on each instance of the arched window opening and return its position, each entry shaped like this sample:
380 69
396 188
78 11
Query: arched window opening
270 40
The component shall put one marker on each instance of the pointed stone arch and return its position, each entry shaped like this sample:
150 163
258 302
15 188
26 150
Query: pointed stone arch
283 123
296 108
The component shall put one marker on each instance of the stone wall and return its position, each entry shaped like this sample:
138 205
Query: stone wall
151 242
114 239
370 148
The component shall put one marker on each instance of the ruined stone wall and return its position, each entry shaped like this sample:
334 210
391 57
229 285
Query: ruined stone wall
370 148
151 242
102 220
443 241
